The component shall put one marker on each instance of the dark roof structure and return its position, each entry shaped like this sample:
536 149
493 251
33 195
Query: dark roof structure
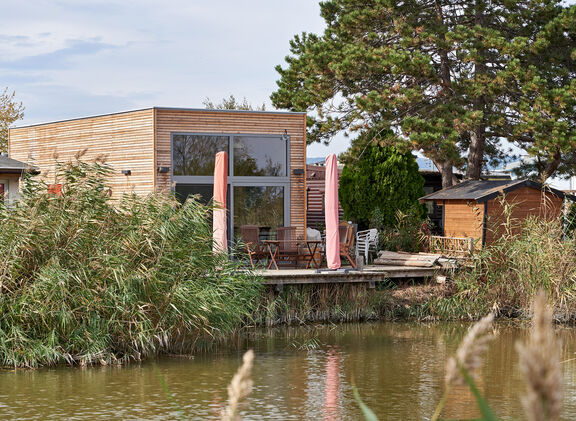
12 166
484 190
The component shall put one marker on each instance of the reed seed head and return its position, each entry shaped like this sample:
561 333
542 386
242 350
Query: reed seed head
239 388
470 352
540 366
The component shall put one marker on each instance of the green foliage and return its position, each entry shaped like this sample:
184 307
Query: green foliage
231 103
450 79
485 410
323 303
10 111
483 406
545 104
409 232
381 182
84 279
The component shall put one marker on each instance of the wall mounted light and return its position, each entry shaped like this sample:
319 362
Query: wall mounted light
163 170
127 172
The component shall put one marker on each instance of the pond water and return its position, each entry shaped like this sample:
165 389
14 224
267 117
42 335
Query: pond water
299 374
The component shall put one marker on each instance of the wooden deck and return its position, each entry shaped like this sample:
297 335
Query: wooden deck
370 275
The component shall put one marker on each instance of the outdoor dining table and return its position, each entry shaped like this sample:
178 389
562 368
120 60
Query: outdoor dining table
312 246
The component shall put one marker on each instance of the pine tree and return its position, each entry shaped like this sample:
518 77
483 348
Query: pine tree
452 78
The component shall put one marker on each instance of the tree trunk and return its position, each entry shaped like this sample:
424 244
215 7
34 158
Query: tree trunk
551 166
445 78
476 153
447 173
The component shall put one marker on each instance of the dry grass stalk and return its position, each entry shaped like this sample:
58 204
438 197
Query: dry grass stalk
469 353
540 365
239 388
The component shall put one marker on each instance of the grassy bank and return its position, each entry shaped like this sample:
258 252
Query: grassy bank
87 280
300 304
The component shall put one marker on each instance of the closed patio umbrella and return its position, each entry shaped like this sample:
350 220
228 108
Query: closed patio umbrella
220 243
331 214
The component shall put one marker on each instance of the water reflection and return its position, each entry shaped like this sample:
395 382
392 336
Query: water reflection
398 369
330 410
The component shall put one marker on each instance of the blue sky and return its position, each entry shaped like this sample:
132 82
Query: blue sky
71 58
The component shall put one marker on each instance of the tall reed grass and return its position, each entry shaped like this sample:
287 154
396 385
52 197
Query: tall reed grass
529 255
85 279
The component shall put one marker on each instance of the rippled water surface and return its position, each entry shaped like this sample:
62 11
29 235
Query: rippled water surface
299 374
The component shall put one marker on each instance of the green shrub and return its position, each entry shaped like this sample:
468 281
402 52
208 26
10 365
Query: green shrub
409 233
86 279
379 182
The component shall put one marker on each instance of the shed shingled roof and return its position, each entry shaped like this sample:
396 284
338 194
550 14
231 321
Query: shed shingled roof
12 166
484 190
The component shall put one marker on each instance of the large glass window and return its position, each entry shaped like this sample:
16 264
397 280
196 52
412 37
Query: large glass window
195 154
259 205
203 191
258 178
260 156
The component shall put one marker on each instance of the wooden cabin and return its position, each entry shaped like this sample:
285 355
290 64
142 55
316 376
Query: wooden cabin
172 150
475 208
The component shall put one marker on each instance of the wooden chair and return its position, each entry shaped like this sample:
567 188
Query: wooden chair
251 237
287 246
346 232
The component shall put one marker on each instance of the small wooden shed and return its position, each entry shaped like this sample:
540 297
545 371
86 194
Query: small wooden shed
474 208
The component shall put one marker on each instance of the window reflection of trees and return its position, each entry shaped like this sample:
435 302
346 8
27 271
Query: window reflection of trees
259 157
262 206
195 154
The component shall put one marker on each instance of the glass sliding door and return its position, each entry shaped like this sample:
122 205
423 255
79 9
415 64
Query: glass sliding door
262 206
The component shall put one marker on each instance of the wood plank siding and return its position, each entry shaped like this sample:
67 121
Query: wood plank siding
524 202
125 140
169 121
315 188
463 218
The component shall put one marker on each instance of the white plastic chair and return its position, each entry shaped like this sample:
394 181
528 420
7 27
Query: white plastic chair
365 241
